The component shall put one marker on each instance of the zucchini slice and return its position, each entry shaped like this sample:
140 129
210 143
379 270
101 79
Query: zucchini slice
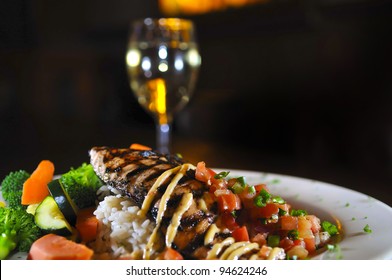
49 218
66 205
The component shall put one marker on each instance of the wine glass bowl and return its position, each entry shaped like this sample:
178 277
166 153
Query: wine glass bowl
162 64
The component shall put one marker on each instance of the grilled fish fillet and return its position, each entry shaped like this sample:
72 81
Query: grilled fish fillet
134 172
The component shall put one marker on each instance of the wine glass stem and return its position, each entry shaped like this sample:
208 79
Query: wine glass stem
163 137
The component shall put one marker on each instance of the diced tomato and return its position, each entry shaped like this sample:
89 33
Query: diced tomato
265 212
289 222
269 210
240 234
259 238
286 243
299 242
260 187
247 196
203 173
285 207
264 252
315 223
228 220
304 227
207 176
310 244
171 254
228 202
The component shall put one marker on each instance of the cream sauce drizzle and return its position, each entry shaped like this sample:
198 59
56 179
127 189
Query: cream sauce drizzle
274 254
242 250
186 202
217 248
181 170
232 250
210 234
153 190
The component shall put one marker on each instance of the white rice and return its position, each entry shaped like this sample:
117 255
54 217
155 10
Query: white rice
121 231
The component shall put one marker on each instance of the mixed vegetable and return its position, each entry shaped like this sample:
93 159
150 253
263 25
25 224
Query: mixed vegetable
43 215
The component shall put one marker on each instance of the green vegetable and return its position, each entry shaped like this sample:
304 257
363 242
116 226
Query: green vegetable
221 175
273 240
81 184
262 198
239 185
64 202
17 231
278 199
298 212
242 181
281 212
12 187
293 234
329 227
50 219
367 229
237 188
251 189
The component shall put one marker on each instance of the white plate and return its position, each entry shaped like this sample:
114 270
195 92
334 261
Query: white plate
352 209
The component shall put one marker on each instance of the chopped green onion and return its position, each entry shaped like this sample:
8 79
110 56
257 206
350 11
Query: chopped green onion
281 212
275 181
236 188
262 198
251 189
273 240
293 234
242 181
329 227
367 229
298 212
278 199
221 175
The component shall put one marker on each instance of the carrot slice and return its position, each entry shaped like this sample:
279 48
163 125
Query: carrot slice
35 188
55 247
87 224
137 146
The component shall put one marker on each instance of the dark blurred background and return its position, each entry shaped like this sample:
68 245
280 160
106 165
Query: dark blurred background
301 87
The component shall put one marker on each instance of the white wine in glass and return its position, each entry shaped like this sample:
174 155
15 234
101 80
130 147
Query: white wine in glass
162 63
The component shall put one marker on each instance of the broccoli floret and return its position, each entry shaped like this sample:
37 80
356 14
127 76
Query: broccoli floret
81 184
12 187
17 231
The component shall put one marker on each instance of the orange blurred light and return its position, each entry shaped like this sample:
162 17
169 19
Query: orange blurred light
177 7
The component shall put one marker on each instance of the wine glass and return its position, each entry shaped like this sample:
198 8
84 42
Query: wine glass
162 63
